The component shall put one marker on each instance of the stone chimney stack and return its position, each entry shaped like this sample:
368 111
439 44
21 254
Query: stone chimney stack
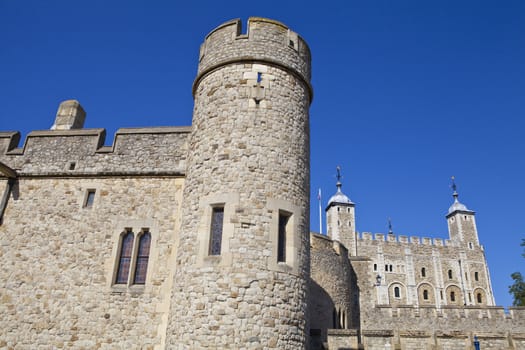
70 115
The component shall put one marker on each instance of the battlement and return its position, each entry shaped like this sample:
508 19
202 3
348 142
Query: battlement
458 318
81 152
403 239
265 41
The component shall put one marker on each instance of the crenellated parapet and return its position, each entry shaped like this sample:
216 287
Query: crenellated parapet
447 318
81 152
265 41
382 238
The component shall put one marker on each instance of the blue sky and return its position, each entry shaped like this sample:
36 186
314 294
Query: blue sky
407 93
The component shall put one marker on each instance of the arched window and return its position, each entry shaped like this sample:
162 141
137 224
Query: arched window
425 294
479 297
423 272
449 274
396 292
126 249
142 258
452 296
476 276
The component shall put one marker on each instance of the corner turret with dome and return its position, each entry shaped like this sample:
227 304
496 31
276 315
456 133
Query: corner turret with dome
461 221
339 197
340 217
457 205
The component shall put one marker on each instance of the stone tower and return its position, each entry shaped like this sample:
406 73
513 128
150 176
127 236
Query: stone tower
340 217
461 223
243 257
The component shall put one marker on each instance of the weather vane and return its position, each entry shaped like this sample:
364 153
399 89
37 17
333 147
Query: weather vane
453 183
338 168
390 226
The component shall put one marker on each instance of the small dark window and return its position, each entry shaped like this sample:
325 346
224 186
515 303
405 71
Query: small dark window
390 267
423 272
441 294
72 165
217 219
124 262
396 292
480 300
375 267
449 274
452 296
476 276
281 244
386 268
259 77
142 258
90 198
425 294
291 43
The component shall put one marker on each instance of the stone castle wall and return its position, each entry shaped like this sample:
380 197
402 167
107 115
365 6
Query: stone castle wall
59 260
58 286
330 299
81 152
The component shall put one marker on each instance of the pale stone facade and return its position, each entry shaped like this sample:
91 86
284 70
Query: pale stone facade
223 205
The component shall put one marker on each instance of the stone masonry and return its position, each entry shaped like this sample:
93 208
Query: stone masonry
198 237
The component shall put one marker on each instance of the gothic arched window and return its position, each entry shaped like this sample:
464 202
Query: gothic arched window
396 292
124 262
142 258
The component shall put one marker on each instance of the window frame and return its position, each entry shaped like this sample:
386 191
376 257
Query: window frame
131 283
89 198
216 237
128 232
139 255
283 232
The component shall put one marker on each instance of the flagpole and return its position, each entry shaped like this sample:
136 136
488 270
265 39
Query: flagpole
320 213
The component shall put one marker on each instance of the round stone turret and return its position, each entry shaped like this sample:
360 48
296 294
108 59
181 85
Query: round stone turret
242 264
266 41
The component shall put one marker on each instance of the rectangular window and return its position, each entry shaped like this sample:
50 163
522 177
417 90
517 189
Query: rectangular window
90 198
281 243
124 262
217 219
142 258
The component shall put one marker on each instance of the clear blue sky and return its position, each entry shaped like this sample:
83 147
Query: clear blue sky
407 93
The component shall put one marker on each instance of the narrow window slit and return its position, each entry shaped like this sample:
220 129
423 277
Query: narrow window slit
217 220
90 199
281 243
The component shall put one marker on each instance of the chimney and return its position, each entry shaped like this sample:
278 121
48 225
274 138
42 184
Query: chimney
70 115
